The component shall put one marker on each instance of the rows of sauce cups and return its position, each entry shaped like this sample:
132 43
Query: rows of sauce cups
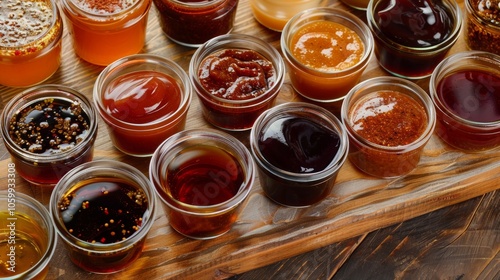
297 149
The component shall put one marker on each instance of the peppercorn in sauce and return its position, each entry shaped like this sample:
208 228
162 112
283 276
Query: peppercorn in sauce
103 210
49 126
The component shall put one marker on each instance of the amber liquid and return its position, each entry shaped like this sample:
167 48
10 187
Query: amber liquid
23 251
105 211
201 176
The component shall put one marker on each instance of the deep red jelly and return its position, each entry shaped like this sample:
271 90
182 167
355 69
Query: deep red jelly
193 22
203 175
298 145
142 97
473 95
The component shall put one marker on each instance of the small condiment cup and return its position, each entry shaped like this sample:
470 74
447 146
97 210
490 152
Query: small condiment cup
457 104
104 31
141 139
46 169
482 26
274 14
321 85
192 23
406 61
308 139
100 257
28 236
203 178
391 160
236 115
28 61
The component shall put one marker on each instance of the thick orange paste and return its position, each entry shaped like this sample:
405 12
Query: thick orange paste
327 46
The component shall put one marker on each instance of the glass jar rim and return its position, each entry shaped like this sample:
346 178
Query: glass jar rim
241 41
424 99
199 4
38 207
308 109
42 92
453 7
478 16
77 8
103 168
181 77
483 56
366 36
225 140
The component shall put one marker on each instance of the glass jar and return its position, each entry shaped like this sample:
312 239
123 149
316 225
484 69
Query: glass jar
482 25
389 121
143 99
27 222
103 211
192 23
465 89
203 178
274 14
299 149
29 55
48 130
235 103
413 51
325 76
104 32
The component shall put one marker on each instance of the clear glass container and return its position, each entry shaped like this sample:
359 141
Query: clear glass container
326 84
192 23
104 31
203 178
27 222
389 120
465 89
299 149
392 45
38 147
30 59
234 113
109 195
143 99
482 25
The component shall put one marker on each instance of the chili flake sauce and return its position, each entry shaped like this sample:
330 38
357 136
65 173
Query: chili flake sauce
327 46
388 118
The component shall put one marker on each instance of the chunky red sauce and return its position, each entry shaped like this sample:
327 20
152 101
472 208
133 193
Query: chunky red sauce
236 74
389 118
142 97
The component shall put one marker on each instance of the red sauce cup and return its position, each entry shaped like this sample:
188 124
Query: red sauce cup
315 140
45 169
26 63
203 178
103 33
100 257
468 115
192 23
396 158
133 128
408 61
233 114
317 84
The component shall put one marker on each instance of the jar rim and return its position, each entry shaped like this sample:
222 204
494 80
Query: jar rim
481 17
42 92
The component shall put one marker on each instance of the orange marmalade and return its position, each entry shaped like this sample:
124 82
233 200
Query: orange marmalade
30 41
327 46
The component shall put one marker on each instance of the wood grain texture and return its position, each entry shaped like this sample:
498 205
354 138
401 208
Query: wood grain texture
266 232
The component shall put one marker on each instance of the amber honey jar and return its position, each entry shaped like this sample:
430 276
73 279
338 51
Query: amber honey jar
482 25
104 31
30 42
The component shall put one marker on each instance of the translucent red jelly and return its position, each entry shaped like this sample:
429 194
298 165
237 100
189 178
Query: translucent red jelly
473 95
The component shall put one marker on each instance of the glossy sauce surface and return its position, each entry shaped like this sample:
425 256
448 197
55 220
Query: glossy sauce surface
473 95
142 97
236 74
298 145
327 46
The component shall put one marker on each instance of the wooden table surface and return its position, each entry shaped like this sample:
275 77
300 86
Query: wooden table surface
439 222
